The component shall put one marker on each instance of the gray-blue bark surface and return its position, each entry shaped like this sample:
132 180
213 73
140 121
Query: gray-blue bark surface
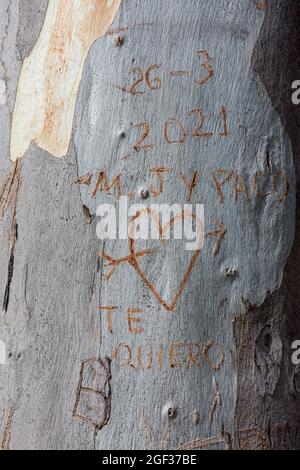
96 361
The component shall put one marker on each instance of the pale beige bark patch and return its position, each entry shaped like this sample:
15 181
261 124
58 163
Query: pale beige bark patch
51 74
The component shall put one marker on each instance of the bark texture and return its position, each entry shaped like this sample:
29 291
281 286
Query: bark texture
110 345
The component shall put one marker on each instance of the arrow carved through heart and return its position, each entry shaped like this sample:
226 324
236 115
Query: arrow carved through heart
134 256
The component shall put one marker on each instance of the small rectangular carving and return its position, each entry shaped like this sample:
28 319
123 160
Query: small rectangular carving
93 399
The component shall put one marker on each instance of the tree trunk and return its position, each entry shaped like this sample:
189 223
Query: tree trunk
115 345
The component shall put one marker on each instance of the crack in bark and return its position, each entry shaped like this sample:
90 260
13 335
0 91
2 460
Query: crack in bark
10 272
9 195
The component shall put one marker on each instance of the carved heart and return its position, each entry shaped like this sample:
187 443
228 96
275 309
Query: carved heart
134 258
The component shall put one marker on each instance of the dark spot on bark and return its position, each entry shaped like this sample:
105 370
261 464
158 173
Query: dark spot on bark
264 340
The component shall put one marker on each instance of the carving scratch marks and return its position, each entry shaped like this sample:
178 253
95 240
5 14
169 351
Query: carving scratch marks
216 401
114 263
7 429
151 435
220 234
202 443
134 257
93 396
51 74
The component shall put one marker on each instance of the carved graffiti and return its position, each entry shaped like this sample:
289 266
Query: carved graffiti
93 400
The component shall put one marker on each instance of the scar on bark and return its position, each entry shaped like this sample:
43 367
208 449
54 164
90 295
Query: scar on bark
120 41
180 73
215 402
8 192
114 31
191 185
104 184
103 392
159 172
86 179
202 443
220 234
109 316
8 198
206 349
151 435
7 428
133 259
114 263
263 5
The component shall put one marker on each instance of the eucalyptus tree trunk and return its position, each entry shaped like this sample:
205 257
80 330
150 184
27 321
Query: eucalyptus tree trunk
121 345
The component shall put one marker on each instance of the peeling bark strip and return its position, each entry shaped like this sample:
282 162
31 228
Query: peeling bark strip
45 106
